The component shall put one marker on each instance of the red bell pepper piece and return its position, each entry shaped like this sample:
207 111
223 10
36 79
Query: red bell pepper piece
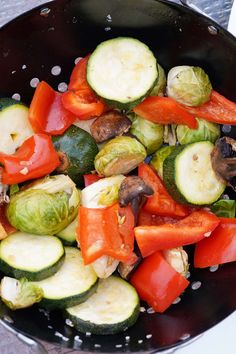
219 248
35 158
165 110
189 230
80 99
91 178
78 78
83 103
157 282
160 203
147 219
102 232
47 113
218 110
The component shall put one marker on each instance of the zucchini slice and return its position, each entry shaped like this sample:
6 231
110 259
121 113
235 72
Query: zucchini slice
123 71
189 177
14 125
111 309
31 256
71 285
68 235
77 150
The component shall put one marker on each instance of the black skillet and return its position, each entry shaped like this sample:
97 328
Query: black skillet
31 46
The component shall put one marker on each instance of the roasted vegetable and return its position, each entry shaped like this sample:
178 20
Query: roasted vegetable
148 133
160 86
223 159
189 85
109 125
132 191
46 207
205 131
119 156
159 157
18 294
224 208
77 150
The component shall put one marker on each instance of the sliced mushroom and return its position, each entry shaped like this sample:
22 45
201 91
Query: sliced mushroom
109 125
223 159
132 191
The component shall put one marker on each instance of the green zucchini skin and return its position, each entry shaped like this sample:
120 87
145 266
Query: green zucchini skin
136 47
30 256
32 276
209 189
73 284
77 150
6 102
169 173
14 125
102 329
110 290
68 235
52 304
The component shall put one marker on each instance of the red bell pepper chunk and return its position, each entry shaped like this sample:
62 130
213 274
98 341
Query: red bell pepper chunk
147 219
160 203
165 110
219 248
91 178
35 158
80 99
189 230
101 232
218 110
83 104
157 282
78 78
47 113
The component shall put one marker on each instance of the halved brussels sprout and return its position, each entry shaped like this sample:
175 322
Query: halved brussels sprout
206 131
148 133
160 87
102 193
45 207
159 157
119 156
189 85
18 294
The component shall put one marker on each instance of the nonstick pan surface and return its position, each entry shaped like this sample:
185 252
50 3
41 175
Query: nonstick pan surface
55 35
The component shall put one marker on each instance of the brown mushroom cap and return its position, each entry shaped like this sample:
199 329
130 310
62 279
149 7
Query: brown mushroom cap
109 125
223 159
131 188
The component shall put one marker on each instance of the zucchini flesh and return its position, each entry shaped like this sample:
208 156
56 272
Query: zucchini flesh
14 125
72 284
189 177
68 235
111 309
31 256
122 70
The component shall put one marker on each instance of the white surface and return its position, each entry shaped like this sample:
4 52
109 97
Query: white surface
221 338
232 20
218 340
